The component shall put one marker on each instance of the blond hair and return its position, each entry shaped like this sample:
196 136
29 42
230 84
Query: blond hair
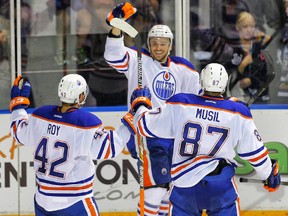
242 17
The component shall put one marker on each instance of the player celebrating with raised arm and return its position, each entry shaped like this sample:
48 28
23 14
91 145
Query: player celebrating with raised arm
166 75
66 139
206 129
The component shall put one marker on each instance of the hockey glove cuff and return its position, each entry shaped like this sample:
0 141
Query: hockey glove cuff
127 120
20 93
140 96
273 181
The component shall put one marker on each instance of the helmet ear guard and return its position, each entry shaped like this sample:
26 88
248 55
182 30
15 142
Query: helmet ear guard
214 78
71 87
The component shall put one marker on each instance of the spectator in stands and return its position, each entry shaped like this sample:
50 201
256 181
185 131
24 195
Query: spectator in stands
5 73
225 16
26 16
282 55
148 15
265 12
247 67
109 89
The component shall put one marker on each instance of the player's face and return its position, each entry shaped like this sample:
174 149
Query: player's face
159 48
247 29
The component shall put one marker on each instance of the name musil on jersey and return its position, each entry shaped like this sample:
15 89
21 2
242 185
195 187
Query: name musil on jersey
164 85
207 115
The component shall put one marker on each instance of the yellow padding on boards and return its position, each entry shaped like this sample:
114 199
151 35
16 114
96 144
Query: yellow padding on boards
243 213
261 213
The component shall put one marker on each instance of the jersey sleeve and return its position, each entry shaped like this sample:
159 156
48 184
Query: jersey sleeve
251 148
154 123
117 55
21 129
190 80
109 143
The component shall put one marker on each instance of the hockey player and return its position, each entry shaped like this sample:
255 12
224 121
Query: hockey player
166 76
206 129
66 139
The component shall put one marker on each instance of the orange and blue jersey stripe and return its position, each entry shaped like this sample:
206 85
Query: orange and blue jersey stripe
15 125
67 189
143 129
257 157
180 169
107 147
91 207
121 65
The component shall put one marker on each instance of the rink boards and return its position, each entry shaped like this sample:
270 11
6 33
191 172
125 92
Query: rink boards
115 186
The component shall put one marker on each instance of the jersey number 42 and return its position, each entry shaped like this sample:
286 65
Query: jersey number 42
40 155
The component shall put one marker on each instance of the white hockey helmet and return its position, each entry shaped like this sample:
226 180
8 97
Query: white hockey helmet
70 87
214 78
160 31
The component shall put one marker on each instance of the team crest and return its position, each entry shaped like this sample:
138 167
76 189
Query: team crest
164 85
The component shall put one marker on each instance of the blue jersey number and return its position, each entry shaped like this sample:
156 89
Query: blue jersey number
192 136
40 155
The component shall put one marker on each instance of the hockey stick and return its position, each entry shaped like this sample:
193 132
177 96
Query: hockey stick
270 76
245 180
132 32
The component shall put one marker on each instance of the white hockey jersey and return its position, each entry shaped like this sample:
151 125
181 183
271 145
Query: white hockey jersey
164 80
64 146
205 130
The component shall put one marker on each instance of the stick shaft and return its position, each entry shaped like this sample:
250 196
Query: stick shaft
138 44
246 180
132 32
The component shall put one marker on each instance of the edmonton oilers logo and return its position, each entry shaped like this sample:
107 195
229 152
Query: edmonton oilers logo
164 85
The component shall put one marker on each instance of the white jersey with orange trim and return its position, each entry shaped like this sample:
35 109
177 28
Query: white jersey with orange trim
205 130
177 75
65 145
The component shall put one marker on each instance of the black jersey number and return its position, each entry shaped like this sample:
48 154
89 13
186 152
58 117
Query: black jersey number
41 156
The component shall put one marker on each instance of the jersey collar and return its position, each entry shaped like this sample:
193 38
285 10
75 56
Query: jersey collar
213 97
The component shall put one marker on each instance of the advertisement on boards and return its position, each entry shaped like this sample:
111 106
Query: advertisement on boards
116 187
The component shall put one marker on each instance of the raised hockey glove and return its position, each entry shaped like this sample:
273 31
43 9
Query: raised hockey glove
273 181
20 93
123 10
127 120
140 96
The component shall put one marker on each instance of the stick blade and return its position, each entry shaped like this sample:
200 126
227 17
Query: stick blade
124 26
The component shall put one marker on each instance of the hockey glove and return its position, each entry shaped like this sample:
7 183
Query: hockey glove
123 10
20 94
273 181
127 120
140 96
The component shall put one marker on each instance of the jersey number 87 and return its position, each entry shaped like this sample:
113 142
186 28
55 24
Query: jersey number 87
190 145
